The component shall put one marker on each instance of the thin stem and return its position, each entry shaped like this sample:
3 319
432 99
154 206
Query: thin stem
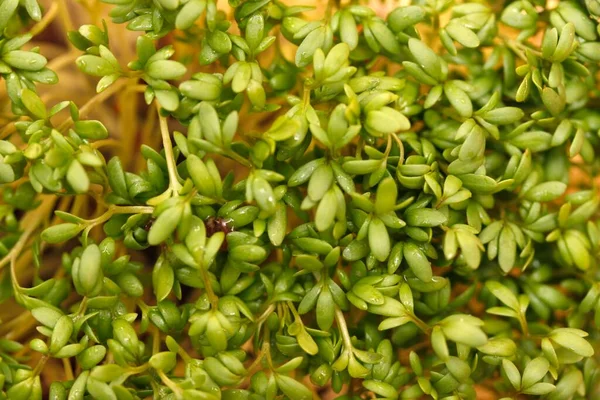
210 293
62 60
140 303
422 325
155 341
82 307
168 147
46 20
341 321
137 370
236 157
94 101
266 313
68 369
291 307
8 130
17 321
306 95
258 359
13 275
170 384
400 147
265 350
105 143
184 355
132 209
136 88
131 371
22 330
40 366
31 221
329 9
388 147
66 18
118 210
523 323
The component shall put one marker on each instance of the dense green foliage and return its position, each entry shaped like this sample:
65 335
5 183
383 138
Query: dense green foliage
418 219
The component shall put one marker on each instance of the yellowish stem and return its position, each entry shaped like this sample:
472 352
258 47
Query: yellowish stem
46 20
64 15
170 384
168 147
31 221
341 321
97 99
68 369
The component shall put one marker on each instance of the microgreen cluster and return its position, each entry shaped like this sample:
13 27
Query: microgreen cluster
380 201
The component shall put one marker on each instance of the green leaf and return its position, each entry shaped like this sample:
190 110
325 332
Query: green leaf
458 99
417 261
165 225
426 57
90 275
25 60
425 217
293 389
33 103
325 309
573 342
361 167
503 294
501 347
163 361
553 101
348 30
380 388
387 192
547 191
535 370
313 41
386 120
61 333
95 66
200 176
504 115
100 390
379 239
512 373
47 316
320 182
94 130
7 9
462 34
165 69
326 211
116 177
189 13
507 247
61 232
77 177
464 329
91 356
540 388
369 294
263 193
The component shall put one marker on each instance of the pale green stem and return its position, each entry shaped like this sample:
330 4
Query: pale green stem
236 157
168 147
117 210
170 384
341 321
94 101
